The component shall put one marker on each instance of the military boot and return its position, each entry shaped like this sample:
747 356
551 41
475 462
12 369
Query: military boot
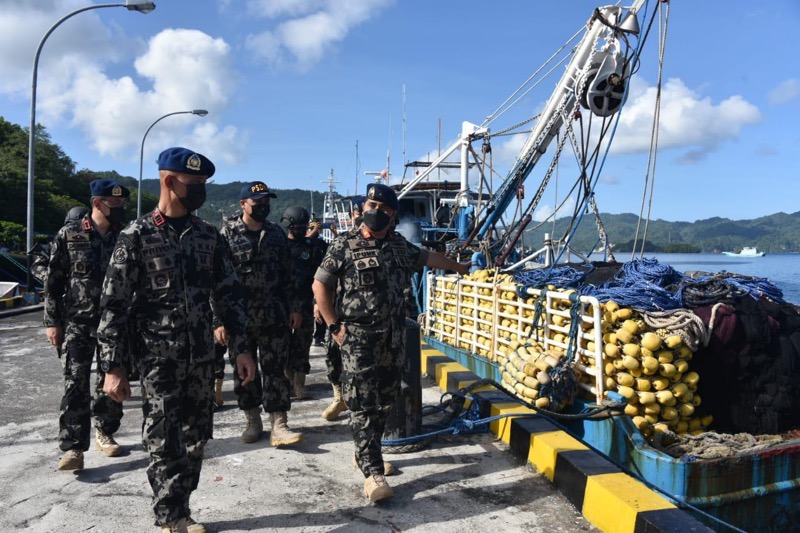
71 460
281 434
176 526
336 407
106 444
300 391
194 527
376 488
254 426
219 399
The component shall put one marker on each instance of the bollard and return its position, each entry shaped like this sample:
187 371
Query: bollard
405 417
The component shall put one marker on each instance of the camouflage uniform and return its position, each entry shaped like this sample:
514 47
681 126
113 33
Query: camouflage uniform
219 360
370 277
307 257
174 274
78 260
264 266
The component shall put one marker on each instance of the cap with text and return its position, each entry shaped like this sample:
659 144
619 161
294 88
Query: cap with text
256 190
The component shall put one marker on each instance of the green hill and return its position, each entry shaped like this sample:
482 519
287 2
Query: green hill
60 186
777 233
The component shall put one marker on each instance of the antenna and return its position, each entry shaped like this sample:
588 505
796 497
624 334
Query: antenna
389 150
404 125
358 169
327 207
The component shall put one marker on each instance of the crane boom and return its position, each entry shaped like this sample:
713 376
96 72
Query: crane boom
560 103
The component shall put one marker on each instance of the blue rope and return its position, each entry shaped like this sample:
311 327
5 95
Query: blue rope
648 285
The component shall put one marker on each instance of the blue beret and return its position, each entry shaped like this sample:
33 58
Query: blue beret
384 194
256 190
358 202
108 188
185 161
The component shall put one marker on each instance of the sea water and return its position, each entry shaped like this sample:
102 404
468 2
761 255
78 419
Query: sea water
783 270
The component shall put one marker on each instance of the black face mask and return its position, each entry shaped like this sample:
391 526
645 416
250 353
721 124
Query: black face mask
116 215
376 220
195 196
299 233
259 212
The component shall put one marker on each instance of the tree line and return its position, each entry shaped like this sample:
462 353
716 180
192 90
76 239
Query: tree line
59 186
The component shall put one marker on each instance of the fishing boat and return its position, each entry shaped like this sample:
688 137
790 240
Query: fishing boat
747 251
636 360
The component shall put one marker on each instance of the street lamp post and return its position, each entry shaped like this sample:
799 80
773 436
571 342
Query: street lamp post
142 6
198 112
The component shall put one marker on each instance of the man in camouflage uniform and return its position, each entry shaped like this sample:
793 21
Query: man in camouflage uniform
307 257
79 255
262 261
172 265
314 228
368 270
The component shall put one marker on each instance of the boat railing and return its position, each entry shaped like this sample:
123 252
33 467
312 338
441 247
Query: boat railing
486 319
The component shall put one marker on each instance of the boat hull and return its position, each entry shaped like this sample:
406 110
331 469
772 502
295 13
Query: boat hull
756 492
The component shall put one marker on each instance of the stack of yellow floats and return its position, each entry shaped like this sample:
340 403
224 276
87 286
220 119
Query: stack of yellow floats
614 350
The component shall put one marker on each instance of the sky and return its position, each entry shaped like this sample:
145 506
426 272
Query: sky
297 89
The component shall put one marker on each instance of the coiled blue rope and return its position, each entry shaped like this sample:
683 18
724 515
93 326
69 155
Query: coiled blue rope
648 285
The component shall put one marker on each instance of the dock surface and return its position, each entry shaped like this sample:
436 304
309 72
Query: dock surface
456 483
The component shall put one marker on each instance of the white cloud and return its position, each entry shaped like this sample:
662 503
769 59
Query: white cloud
83 38
785 92
290 8
314 27
545 211
687 120
179 70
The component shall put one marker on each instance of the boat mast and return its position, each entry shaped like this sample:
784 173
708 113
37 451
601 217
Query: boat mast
327 208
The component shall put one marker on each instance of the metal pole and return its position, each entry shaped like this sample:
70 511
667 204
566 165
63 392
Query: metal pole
143 7
198 112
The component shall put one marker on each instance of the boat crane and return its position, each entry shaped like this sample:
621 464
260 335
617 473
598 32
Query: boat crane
596 80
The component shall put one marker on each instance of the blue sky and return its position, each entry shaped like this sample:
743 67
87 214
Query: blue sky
292 85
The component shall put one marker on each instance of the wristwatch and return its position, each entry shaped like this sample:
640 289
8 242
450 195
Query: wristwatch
335 327
108 366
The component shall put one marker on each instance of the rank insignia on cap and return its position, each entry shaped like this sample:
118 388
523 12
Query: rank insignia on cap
194 163
371 193
116 191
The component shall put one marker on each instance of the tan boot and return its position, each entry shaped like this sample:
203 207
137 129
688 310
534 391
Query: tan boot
388 468
176 526
194 527
336 407
254 426
219 399
106 444
300 391
71 460
281 434
376 488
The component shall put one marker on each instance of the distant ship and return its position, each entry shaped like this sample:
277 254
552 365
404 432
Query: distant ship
747 251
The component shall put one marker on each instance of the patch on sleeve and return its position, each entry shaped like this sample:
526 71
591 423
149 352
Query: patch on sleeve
120 255
329 264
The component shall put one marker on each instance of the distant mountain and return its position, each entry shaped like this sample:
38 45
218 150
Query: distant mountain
776 233
222 199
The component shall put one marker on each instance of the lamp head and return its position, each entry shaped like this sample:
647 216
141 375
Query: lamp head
630 24
142 6
199 112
